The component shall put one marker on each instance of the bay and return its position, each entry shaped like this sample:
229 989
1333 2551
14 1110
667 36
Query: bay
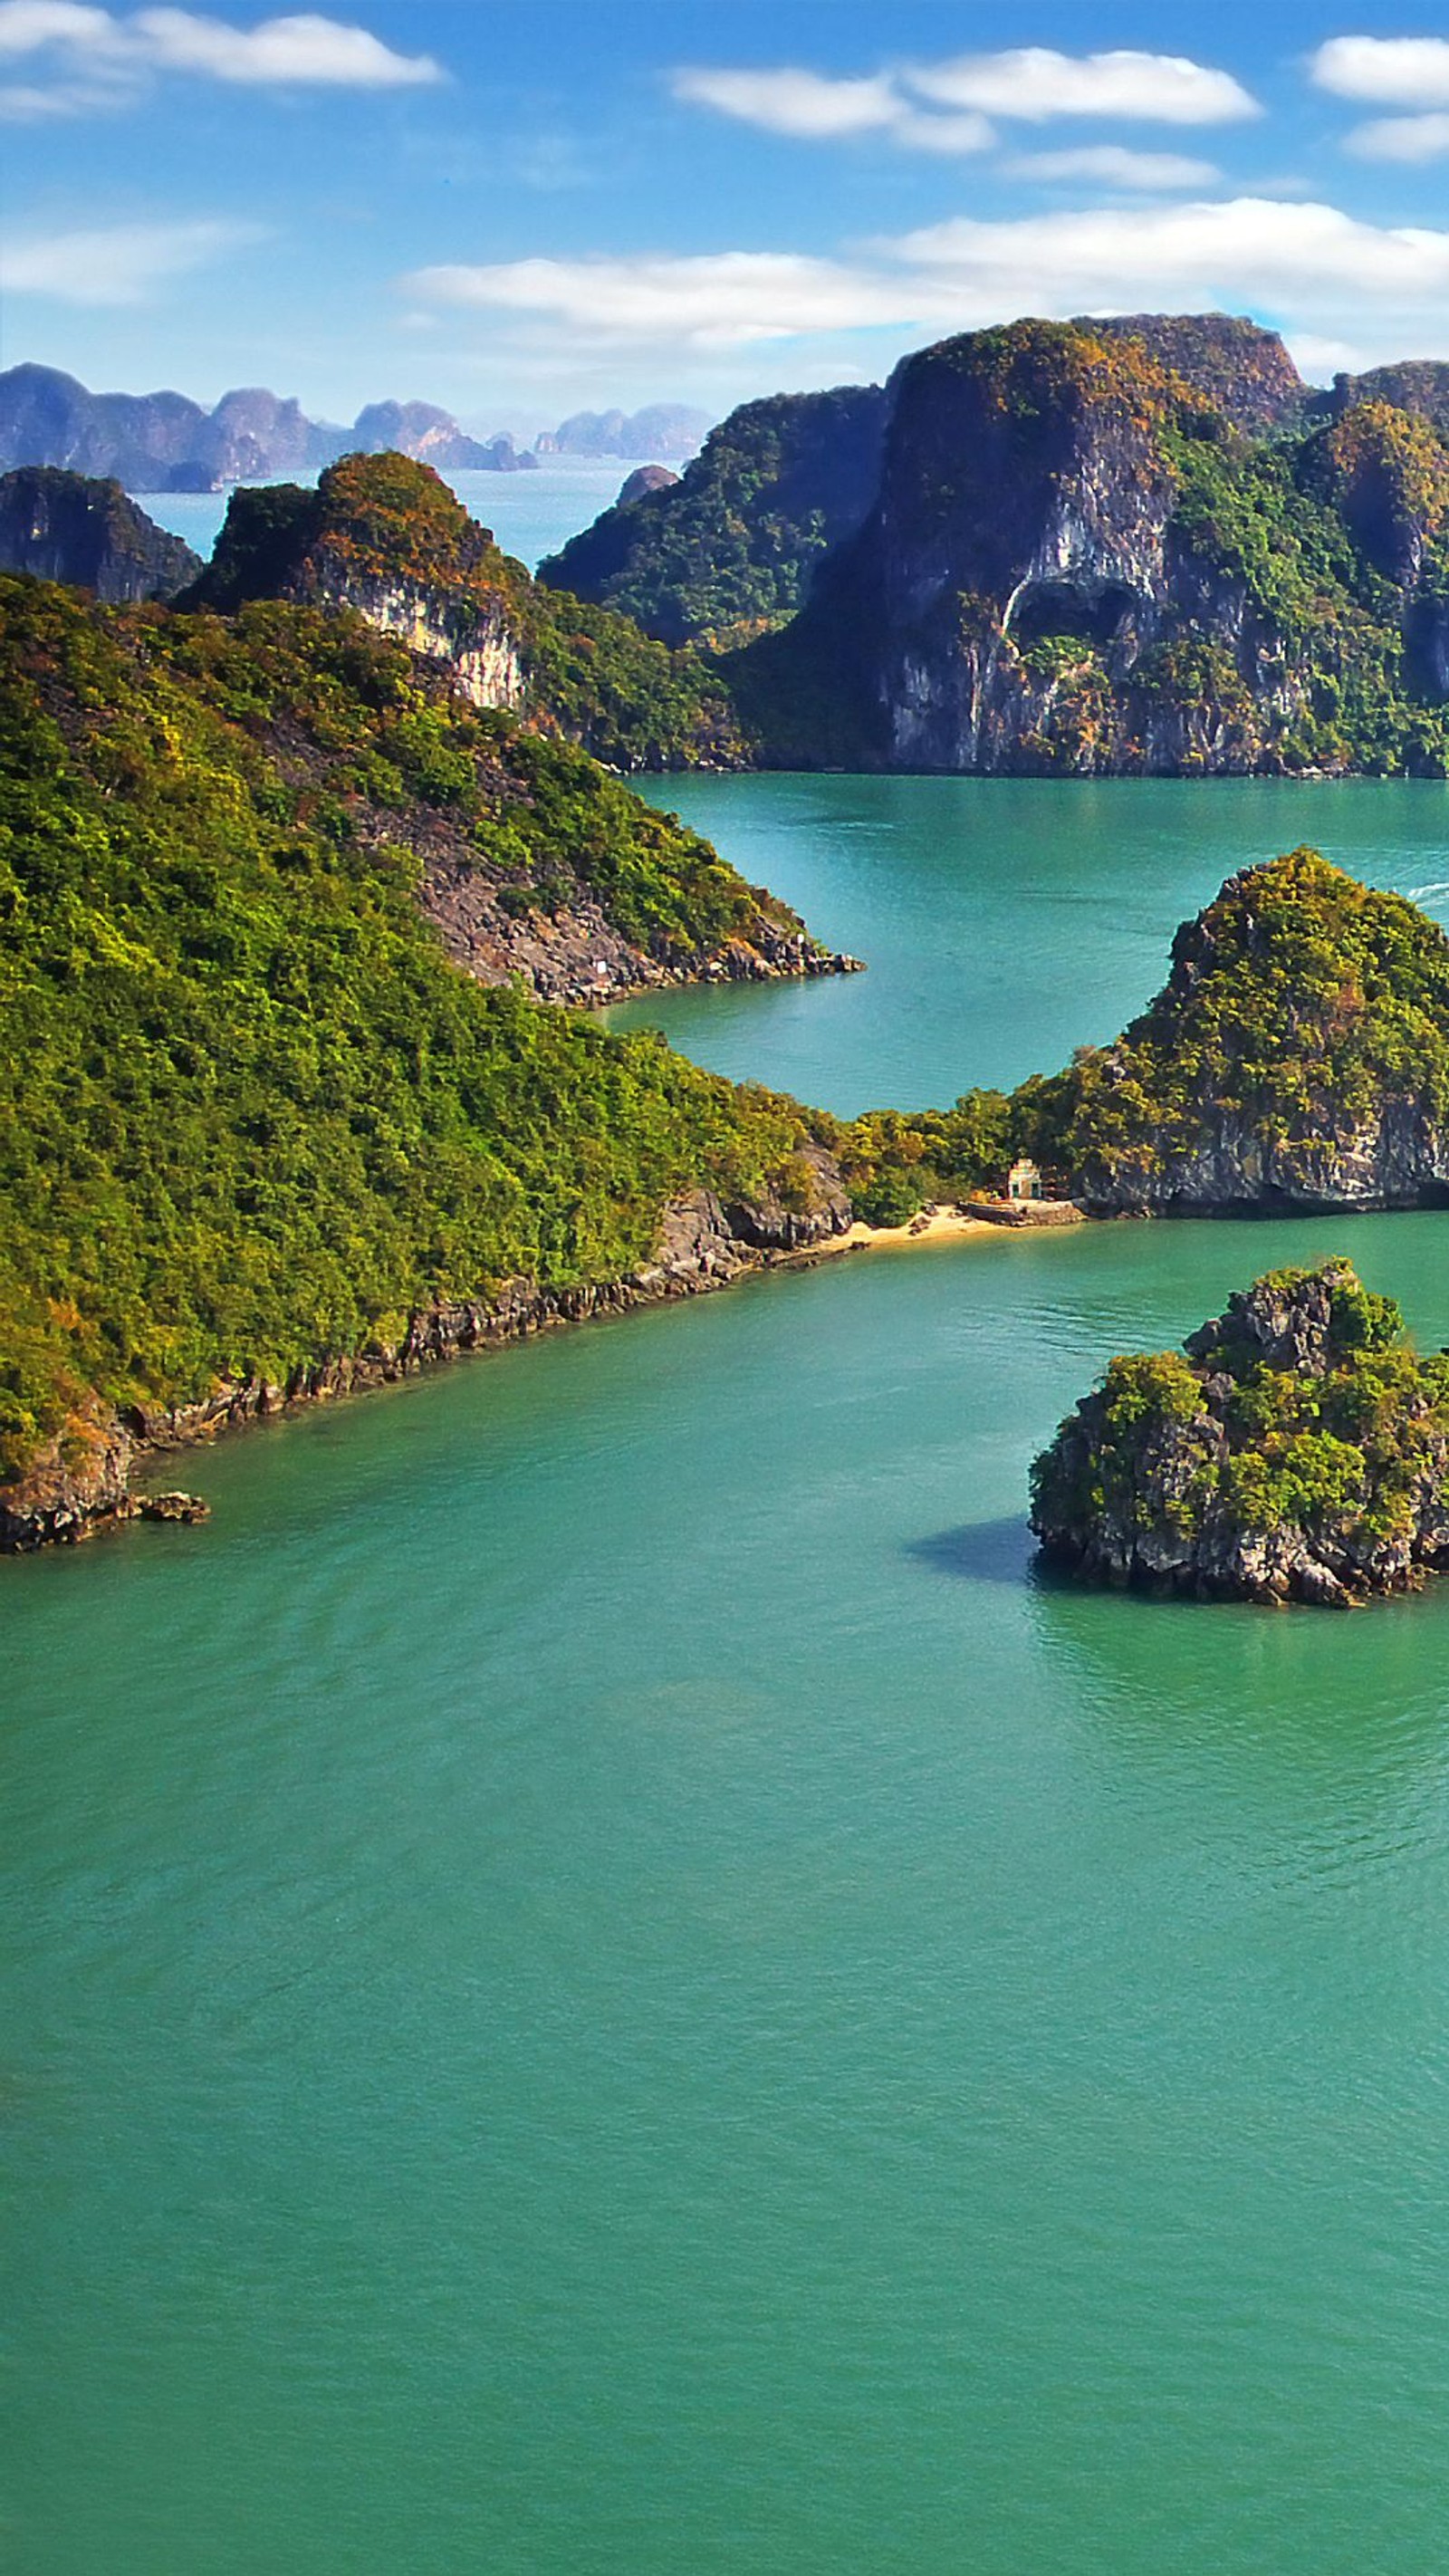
600 1978
1003 921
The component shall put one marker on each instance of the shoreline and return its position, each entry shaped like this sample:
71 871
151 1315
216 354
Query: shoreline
64 1509
952 1221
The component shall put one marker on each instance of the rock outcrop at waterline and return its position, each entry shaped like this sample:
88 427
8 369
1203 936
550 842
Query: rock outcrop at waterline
81 1483
1297 1450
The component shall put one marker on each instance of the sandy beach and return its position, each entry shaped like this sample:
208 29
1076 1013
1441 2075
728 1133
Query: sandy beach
940 1224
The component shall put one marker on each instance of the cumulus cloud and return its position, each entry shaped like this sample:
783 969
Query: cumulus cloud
712 301
121 265
1033 82
1385 71
281 50
815 109
77 57
947 106
1116 167
1319 273
1277 247
28 25
1408 139
792 102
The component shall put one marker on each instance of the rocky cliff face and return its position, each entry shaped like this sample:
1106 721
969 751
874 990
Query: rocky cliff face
65 527
473 636
1298 1452
1028 595
1395 1157
386 537
1080 562
389 542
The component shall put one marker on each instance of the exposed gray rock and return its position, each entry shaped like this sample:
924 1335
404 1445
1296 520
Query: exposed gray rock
1301 1456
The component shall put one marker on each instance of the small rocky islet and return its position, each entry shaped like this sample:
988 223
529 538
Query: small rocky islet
1295 1449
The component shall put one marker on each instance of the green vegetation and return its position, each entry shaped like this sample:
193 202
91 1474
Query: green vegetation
249 1114
1303 621
1301 1006
895 1161
1244 371
1326 537
730 549
588 673
1302 1011
1301 1437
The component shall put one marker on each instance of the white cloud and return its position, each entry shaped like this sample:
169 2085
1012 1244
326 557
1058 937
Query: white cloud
1258 246
26 26
1116 167
92 58
1318 273
811 108
945 107
792 102
123 265
306 49
714 301
1410 139
1034 83
1385 71
1317 359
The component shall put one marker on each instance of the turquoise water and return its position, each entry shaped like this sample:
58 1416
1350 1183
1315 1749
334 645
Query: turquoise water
530 514
600 1982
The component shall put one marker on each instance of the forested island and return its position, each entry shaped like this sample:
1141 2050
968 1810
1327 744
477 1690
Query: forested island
1296 1449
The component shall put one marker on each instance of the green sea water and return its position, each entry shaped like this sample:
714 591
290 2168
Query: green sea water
600 1981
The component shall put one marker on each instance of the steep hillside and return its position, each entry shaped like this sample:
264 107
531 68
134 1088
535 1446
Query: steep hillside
1295 1062
1296 1449
384 536
733 545
66 527
1076 563
1416 385
257 1132
1297 1058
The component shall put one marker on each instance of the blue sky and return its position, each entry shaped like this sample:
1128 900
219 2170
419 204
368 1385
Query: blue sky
516 211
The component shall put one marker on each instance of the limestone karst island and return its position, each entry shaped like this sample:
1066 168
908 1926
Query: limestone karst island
1298 1452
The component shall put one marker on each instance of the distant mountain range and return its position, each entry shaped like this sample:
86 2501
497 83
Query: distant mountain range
164 442
660 429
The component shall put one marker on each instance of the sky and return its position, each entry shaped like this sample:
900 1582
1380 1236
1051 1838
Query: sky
519 211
